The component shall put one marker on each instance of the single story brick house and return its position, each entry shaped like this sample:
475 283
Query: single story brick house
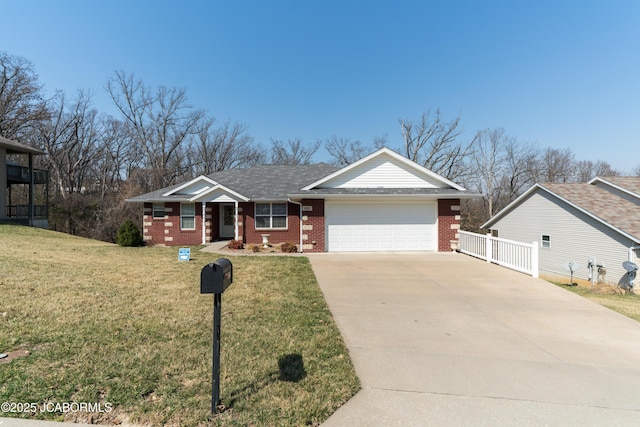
594 224
383 202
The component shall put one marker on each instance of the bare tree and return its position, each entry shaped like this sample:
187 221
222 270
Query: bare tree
21 100
72 142
226 146
585 170
490 164
519 170
344 151
555 165
292 152
433 143
160 123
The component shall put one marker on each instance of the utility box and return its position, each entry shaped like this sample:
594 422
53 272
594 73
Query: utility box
216 277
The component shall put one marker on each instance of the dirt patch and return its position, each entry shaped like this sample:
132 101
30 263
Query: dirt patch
15 354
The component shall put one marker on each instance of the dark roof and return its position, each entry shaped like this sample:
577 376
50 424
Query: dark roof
262 182
608 207
271 181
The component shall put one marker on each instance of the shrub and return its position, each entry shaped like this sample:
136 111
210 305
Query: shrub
288 247
235 244
256 248
129 235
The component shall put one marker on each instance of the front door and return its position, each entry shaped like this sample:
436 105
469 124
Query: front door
227 221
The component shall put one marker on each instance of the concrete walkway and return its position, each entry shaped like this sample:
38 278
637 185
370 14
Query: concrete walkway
448 340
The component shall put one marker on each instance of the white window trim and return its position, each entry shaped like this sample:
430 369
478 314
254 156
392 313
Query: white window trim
153 211
543 241
182 216
286 215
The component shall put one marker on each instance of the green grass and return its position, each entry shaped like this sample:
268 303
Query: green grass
627 304
128 326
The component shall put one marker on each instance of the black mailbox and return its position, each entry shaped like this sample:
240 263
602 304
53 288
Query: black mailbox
216 277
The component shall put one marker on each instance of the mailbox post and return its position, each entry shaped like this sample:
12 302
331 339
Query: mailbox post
214 279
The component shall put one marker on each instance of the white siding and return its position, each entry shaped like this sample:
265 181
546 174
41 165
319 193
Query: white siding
195 188
574 236
218 196
382 171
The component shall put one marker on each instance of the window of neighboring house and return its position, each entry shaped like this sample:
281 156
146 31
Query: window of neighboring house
158 210
188 216
546 241
271 215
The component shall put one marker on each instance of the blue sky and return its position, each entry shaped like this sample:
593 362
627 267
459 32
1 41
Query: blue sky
560 74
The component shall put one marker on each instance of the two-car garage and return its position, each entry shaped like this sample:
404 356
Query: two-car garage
380 227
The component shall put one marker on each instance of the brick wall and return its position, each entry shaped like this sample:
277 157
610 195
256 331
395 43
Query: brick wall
313 225
250 235
448 223
166 231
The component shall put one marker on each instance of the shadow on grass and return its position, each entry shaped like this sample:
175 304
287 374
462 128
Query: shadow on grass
290 369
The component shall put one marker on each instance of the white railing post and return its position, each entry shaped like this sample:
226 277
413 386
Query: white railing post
534 259
489 247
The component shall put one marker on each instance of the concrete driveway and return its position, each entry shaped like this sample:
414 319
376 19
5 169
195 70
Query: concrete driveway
445 339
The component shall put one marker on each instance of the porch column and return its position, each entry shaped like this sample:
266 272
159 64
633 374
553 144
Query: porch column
235 220
204 223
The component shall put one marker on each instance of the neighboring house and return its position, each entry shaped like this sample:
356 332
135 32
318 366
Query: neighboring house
17 187
383 202
597 222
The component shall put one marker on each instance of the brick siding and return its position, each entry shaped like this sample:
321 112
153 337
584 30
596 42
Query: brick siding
313 225
250 235
448 223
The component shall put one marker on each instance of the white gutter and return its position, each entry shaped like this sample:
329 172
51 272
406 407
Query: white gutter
300 215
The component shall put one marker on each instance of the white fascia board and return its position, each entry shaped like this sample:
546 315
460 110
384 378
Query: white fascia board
616 186
188 183
402 159
229 191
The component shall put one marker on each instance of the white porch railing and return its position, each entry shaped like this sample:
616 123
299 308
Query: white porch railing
517 256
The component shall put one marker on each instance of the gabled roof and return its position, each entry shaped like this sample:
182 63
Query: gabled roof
613 211
388 156
627 184
263 182
365 178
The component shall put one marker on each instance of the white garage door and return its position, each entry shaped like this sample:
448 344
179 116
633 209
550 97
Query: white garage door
373 227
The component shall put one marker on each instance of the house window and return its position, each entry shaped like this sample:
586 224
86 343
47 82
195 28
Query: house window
188 216
271 215
158 210
546 241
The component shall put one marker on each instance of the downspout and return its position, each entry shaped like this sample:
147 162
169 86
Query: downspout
235 220
300 215
631 249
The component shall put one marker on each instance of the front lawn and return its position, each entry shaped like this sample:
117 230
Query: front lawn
627 304
92 322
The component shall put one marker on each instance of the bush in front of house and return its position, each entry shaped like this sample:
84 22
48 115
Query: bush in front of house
235 244
287 247
129 235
